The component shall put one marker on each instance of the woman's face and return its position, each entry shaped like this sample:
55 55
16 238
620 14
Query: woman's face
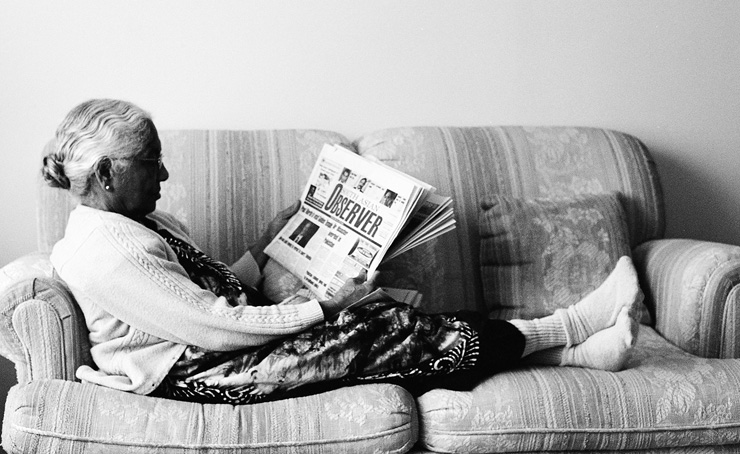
137 189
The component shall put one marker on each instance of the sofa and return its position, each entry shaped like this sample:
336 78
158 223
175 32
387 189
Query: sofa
542 214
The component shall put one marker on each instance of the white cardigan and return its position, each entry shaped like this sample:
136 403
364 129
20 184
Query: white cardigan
141 308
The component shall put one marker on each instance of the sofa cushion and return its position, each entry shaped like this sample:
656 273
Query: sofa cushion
665 398
25 267
65 416
538 255
528 162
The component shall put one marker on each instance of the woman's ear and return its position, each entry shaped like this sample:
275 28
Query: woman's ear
104 173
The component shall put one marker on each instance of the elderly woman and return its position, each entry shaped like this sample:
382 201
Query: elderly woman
167 320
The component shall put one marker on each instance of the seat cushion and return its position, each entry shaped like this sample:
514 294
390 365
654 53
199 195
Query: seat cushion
665 398
66 416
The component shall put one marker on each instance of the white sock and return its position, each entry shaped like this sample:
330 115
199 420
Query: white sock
541 333
600 308
550 357
608 349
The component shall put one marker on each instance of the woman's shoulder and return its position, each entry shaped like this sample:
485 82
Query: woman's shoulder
171 223
93 235
84 220
86 223
166 220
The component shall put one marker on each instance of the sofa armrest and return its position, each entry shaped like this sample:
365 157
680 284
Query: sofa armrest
692 289
42 330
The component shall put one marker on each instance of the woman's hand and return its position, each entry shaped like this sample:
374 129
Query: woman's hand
282 218
273 228
353 290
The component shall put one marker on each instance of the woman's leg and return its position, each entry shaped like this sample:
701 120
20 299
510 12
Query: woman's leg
383 341
390 341
609 349
597 332
599 309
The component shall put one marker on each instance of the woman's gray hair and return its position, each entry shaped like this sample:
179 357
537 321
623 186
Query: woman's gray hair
95 131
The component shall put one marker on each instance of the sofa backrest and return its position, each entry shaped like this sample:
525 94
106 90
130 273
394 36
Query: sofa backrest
227 185
525 162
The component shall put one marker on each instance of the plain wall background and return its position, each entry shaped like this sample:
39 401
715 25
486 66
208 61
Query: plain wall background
663 70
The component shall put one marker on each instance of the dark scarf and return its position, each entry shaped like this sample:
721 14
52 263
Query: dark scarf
211 274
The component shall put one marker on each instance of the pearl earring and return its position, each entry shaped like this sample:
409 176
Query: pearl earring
107 188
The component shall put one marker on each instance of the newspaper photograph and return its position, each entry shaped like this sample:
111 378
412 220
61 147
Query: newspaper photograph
352 210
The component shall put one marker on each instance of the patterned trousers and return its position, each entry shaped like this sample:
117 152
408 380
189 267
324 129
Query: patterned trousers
377 342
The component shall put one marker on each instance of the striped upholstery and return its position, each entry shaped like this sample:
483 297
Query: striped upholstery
665 398
58 416
538 255
224 185
227 185
470 163
694 287
43 330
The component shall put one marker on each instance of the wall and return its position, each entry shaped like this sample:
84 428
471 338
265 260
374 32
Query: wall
664 70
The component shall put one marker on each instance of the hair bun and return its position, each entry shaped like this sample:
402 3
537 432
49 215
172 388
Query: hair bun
53 173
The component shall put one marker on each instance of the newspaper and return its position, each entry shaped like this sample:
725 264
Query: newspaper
355 213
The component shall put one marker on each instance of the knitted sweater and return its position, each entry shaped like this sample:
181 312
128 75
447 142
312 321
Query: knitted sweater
141 308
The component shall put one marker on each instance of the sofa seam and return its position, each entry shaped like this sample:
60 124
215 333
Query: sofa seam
26 299
712 275
403 428
584 431
10 312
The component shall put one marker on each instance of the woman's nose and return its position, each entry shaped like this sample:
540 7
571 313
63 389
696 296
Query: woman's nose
164 174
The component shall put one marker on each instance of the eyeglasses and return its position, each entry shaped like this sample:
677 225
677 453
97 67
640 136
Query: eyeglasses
158 160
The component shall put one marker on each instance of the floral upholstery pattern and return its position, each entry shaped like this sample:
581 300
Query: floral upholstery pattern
470 164
28 266
538 255
227 185
55 416
693 290
41 327
664 398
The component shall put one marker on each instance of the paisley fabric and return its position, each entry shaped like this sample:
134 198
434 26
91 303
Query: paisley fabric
213 275
379 341
227 185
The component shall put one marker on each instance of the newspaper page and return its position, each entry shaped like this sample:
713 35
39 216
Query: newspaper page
352 209
433 217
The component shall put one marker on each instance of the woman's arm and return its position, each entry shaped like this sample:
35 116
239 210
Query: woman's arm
128 271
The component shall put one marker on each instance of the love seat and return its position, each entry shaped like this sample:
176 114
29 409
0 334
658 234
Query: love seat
542 214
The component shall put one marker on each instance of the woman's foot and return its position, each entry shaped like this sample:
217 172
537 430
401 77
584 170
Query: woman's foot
599 309
608 349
